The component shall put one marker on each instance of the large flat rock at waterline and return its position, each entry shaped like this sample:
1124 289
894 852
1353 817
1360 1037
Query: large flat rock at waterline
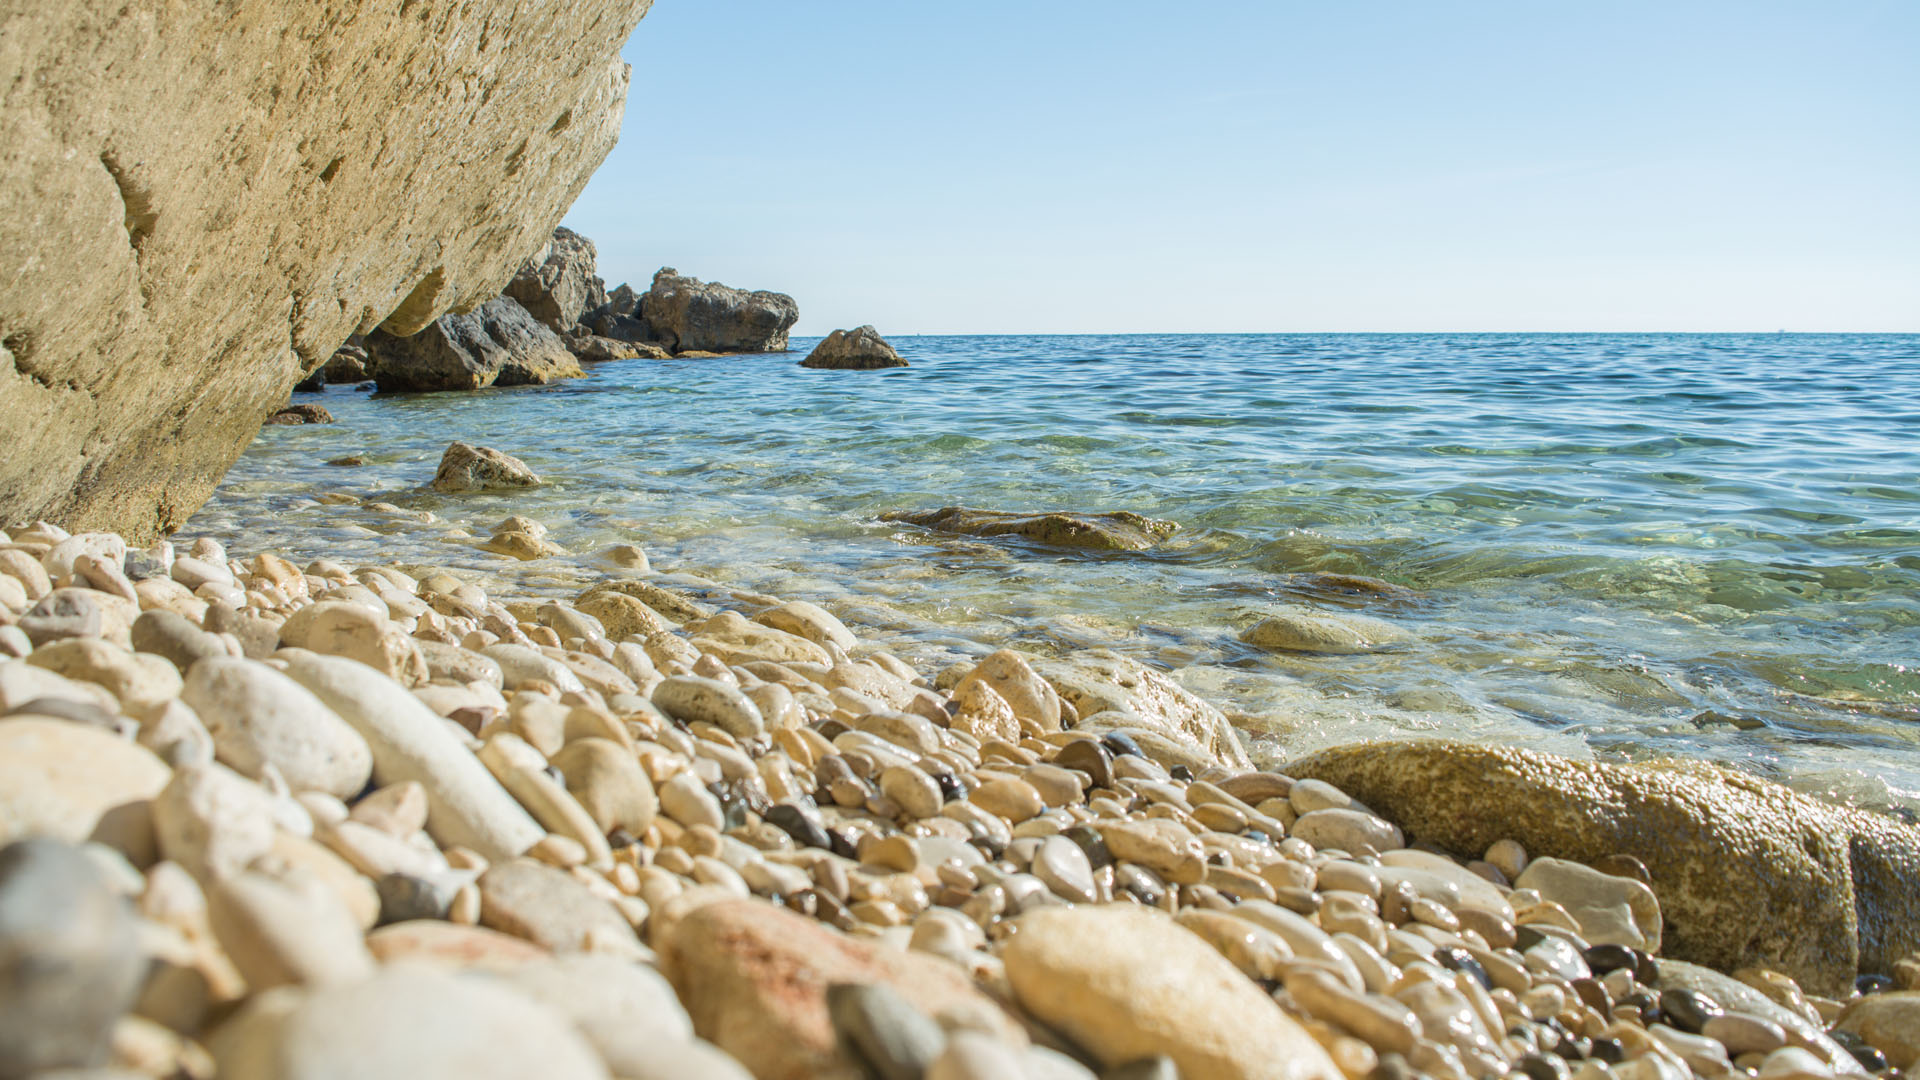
1748 872
1118 531
199 203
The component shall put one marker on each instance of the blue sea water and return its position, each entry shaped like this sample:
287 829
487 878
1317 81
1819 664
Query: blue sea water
1696 545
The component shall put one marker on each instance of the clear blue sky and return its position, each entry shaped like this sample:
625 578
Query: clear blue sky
1066 166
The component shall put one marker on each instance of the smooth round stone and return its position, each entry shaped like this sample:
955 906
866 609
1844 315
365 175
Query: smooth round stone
1057 786
1306 796
1689 1010
626 1010
1064 867
286 931
78 783
1347 830
969 1056
1012 799
519 664
686 800
259 717
1611 910
1890 1022
916 792
796 824
1310 631
175 637
65 613
140 683
405 1023
550 908
893 1037
73 960
607 781
1088 756
693 699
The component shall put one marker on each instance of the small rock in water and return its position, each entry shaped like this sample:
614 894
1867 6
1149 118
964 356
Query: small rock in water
349 461
304 413
466 467
1305 630
73 964
861 349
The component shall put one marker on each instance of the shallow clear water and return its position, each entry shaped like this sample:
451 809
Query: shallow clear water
1665 544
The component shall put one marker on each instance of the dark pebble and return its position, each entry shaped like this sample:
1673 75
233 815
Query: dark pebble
950 788
1460 960
1181 773
619 838
1120 744
1090 757
1526 937
1873 984
1605 958
1688 1010
1543 1067
838 843
1088 840
831 729
1593 995
404 897
1870 1059
1609 1051
796 824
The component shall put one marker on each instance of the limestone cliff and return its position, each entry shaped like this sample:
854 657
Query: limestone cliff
200 201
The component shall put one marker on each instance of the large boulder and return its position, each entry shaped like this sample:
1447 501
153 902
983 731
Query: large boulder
197 206
861 349
558 284
690 315
619 318
1117 531
499 344
1748 873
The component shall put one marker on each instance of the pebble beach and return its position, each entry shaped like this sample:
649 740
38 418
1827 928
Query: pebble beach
296 816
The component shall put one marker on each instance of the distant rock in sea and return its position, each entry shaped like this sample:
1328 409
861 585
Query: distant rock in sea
862 349
690 315
1117 531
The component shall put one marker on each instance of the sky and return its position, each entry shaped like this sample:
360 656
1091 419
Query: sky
1059 166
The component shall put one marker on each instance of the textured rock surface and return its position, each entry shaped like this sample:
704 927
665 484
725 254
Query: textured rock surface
497 344
202 203
1104 684
690 315
558 285
862 349
466 467
1118 531
1748 873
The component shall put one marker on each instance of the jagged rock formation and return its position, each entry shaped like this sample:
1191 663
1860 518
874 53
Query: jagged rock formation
690 315
1121 530
862 349
559 284
199 204
497 344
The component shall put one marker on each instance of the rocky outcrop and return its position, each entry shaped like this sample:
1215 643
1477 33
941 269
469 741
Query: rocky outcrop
200 205
619 318
862 349
559 284
1118 531
498 344
690 315
1748 873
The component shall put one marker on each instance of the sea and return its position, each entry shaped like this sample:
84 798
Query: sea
1627 546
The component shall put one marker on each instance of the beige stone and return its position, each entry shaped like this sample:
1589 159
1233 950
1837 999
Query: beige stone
1748 873
1101 681
424 151
77 783
1890 1023
1081 971
1611 910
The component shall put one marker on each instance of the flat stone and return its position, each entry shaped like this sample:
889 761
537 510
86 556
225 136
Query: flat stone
1347 830
548 907
754 979
1065 868
519 664
1310 631
809 621
607 781
259 717
1611 910
1748 873
1117 531
73 962
64 613
139 683
694 699
405 1023
77 783
211 820
466 805
916 792
1081 971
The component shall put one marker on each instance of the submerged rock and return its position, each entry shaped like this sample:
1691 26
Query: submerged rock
210 255
689 315
466 467
1748 873
1117 531
1306 630
853 350
303 413
497 344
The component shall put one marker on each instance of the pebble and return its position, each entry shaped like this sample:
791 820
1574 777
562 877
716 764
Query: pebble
76 783
1064 868
176 638
73 961
894 1039
259 717
609 784
1611 910
626 1011
1009 798
287 930
548 907
140 683
1347 830
916 792
694 699
968 1056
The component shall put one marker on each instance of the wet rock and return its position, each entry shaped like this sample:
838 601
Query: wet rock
405 1023
76 783
72 964
1748 873
304 413
1142 699
754 979
1611 910
1306 630
1117 531
465 467
861 349
497 344
1080 970
1889 1022
690 315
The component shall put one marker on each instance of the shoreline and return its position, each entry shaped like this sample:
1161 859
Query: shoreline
651 778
